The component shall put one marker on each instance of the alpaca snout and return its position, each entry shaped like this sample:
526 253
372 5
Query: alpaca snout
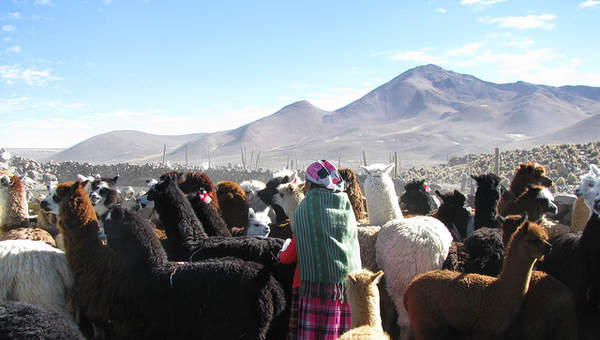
95 198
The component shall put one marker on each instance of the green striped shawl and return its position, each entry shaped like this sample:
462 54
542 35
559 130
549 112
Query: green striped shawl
326 242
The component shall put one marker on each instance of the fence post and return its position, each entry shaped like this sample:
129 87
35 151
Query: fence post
208 148
365 157
497 161
164 154
395 165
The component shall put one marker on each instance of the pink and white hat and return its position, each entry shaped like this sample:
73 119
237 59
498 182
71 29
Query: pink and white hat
325 174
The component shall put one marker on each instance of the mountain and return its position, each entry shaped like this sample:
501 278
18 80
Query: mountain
425 114
121 146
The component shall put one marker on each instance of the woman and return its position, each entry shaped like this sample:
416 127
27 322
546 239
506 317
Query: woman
326 243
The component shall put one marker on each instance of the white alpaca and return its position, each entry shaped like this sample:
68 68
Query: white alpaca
289 198
590 185
258 223
382 201
251 188
34 272
407 247
363 297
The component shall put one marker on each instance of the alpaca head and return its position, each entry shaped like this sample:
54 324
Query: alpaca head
75 211
417 198
363 297
8 184
191 181
589 186
103 197
289 196
375 171
489 185
530 240
510 223
159 193
49 204
537 201
529 174
258 223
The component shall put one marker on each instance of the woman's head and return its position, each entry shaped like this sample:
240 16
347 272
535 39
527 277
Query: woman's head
324 174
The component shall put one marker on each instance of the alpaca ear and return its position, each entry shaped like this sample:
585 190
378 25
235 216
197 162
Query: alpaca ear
251 213
115 179
388 168
437 192
595 170
523 218
5 179
376 277
351 279
366 170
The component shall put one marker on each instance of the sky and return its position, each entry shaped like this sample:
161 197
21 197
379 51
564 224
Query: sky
73 69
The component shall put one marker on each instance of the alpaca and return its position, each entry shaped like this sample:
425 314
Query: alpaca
588 188
481 253
233 204
14 222
440 299
352 189
209 217
406 248
36 273
416 199
104 196
258 223
535 201
363 296
382 201
289 198
487 196
525 175
251 188
216 308
455 216
270 190
20 320
191 181
580 214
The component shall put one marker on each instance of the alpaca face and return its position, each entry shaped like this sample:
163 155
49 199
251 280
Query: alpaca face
534 239
546 201
590 185
5 188
416 199
258 223
50 203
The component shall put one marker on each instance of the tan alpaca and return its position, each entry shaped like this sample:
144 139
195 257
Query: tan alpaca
480 305
363 296
14 223
580 214
289 198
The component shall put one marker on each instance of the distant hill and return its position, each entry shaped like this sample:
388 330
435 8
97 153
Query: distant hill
426 114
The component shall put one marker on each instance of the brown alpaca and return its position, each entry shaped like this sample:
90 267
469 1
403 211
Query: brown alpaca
354 193
363 296
525 175
233 204
14 223
193 181
536 201
483 306
580 214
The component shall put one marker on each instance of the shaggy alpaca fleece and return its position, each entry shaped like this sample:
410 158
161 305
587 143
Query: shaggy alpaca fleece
580 214
382 201
34 234
233 204
36 273
487 197
354 193
192 299
25 321
455 216
416 199
13 203
406 248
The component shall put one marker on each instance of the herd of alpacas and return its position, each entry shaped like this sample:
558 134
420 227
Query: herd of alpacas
190 259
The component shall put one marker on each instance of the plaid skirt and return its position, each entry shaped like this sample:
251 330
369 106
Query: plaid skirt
321 318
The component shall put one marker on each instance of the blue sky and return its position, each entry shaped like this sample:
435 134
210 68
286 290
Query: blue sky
72 69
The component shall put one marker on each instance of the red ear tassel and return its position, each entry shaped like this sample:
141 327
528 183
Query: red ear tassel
427 188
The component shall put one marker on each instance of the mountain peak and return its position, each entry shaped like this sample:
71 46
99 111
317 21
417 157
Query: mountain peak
301 104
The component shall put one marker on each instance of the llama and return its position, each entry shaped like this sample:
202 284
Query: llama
20 320
352 189
455 216
487 196
382 202
406 248
363 296
258 223
233 204
251 188
267 194
289 198
14 222
36 273
525 175
416 199
192 181
207 214
215 307
440 299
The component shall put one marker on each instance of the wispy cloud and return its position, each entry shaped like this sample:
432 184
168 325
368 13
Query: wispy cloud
419 57
589 3
8 28
15 15
480 2
465 49
441 10
44 3
32 77
524 22
14 49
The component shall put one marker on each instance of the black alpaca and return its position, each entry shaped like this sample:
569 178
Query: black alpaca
417 199
487 197
224 298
